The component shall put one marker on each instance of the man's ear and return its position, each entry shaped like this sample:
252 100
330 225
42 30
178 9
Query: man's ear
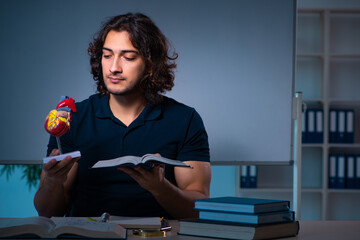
149 68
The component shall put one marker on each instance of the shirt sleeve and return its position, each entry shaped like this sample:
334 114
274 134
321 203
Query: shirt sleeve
196 144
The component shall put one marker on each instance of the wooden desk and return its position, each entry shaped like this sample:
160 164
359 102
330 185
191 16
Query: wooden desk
309 230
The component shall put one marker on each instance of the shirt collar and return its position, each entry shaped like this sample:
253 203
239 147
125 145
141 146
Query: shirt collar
152 112
102 109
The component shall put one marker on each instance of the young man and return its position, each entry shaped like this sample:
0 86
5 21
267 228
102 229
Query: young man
129 116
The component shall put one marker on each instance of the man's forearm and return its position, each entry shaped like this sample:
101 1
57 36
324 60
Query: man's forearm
177 202
50 199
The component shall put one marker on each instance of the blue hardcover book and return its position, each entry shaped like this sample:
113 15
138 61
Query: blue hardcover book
229 230
311 123
341 126
319 132
340 171
332 126
241 205
260 218
349 131
332 171
350 171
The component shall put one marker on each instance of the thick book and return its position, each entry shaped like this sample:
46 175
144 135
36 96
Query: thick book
136 222
147 161
259 218
222 230
42 227
126 222
242 205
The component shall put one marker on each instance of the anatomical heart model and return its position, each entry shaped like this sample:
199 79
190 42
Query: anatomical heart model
57 122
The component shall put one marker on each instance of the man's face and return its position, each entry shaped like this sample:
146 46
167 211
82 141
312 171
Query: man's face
122 65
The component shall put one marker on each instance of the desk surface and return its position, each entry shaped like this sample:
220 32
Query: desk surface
309 230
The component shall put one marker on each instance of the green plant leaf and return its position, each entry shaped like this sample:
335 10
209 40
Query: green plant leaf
8 170
31 173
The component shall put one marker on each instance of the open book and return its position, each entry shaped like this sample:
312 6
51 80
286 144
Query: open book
136 222
147 161
59 227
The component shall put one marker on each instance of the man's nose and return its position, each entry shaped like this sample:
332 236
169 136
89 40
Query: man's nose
116 66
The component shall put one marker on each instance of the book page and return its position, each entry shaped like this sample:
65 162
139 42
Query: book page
88 228
83 223
126 222
117 162
39 226
133 160
156 158
136 222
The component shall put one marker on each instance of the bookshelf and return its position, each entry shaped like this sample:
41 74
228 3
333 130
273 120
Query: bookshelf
328 75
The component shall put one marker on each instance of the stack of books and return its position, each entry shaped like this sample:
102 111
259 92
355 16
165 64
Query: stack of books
241 218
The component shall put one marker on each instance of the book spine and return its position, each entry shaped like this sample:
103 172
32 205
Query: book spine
344 171
341 126
349 131
340 174
303 128
319 133
244 177
311 118
332 171
247 218
350 172
332 126
253 176
248 177
357 171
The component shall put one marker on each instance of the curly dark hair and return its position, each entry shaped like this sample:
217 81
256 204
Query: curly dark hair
151 44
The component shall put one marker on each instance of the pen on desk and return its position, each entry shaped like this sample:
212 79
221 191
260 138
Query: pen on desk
103 218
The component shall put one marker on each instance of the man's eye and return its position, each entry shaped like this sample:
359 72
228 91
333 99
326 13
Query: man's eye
106 56
129 58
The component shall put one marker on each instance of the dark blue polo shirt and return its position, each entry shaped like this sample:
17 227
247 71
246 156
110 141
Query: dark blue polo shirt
172 129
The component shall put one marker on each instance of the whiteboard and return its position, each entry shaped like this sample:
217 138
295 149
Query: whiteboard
235 67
